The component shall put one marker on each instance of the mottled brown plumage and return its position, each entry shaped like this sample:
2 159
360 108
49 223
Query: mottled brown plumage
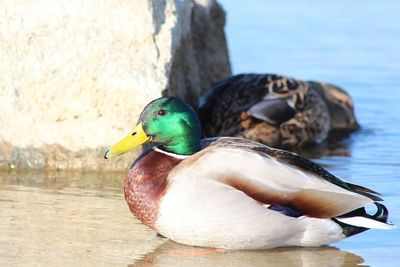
275 110
340 106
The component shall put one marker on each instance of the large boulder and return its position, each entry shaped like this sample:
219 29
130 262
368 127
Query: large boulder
74 75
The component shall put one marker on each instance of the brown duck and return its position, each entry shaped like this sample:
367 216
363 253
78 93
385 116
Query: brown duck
275 110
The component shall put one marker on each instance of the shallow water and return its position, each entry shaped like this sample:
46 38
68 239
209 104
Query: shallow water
75 219
81 219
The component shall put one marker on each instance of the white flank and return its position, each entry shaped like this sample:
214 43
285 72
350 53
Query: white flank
200 208
202 212
365 222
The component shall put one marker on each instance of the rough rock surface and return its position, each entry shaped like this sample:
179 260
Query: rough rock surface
74 75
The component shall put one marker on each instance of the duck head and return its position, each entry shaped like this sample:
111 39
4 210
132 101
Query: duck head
340 106
169 122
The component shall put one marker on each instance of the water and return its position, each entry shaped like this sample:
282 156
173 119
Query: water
71 219
356 45
81 219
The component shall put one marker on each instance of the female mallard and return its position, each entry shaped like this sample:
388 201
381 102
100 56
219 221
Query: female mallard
275 110
235 193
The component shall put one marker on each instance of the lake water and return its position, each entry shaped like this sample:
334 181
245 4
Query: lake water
81 219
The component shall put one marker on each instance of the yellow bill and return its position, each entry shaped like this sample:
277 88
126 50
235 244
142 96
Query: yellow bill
137 138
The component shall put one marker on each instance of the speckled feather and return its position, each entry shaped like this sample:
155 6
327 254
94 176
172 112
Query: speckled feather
243 106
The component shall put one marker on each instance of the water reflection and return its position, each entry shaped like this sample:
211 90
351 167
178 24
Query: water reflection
71 219
173 254
56 181
68 219
338 143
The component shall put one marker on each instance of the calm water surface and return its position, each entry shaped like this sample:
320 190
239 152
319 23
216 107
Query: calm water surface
73 219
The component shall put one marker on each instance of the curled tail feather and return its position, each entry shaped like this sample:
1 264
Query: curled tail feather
359 220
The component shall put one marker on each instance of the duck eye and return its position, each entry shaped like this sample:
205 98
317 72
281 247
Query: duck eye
162 112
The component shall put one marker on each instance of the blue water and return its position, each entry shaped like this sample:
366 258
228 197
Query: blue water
353 44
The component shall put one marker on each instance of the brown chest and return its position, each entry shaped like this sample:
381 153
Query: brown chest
146 183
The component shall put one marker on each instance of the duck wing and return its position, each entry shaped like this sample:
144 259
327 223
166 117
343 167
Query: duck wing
274 177
272 111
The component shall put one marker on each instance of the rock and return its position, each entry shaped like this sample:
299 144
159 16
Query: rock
75 75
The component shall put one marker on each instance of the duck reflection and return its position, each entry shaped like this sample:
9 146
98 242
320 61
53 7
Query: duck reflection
336 144
173 254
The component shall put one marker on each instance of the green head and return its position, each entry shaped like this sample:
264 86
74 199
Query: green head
172 124
169 122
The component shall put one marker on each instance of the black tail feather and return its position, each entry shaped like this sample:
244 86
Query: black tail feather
381 215
365 191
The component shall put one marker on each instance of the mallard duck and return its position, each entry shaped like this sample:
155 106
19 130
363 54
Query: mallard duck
278 111
235 193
